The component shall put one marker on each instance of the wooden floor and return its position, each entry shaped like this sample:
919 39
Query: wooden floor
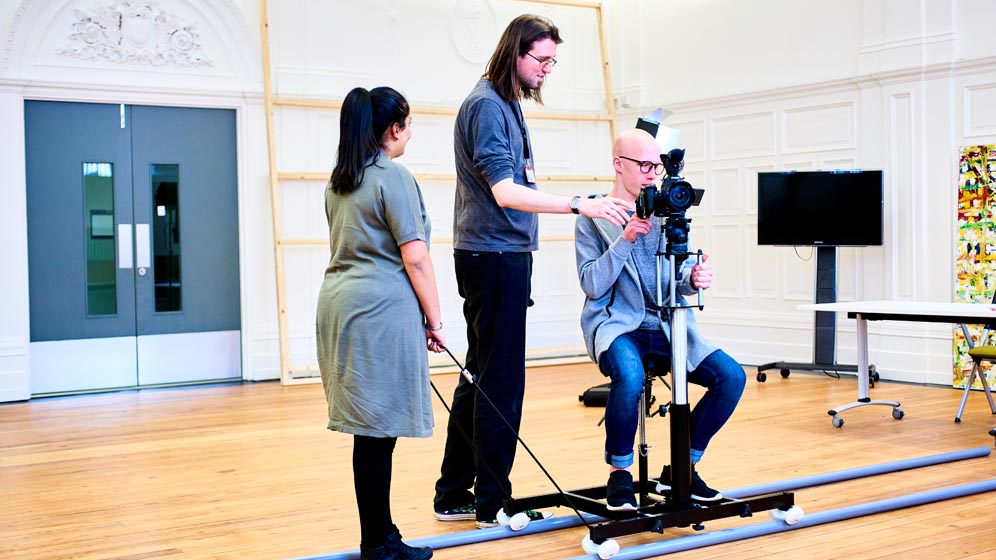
249 472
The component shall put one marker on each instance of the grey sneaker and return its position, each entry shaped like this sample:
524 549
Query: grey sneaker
462 513
619 492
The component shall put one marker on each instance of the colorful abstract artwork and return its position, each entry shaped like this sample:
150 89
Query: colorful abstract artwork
976 251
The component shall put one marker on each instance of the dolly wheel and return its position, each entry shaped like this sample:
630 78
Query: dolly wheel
791 516
606 550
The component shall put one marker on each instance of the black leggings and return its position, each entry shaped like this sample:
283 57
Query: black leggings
372 458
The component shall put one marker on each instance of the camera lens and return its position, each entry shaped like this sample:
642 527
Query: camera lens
679 196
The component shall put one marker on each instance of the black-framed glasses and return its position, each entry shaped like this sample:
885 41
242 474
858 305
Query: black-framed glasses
548 62
646 166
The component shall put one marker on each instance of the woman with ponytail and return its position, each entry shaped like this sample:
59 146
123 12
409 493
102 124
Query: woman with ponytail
378 309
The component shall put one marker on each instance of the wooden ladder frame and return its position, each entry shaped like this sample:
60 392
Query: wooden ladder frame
276 177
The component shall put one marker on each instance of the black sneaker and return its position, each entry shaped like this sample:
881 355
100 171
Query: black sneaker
402 551
533 515
664 481
700 490
462 513
619 492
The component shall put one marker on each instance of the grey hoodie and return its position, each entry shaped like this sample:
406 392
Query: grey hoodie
614 300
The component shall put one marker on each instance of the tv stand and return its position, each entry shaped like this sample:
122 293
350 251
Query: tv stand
824 336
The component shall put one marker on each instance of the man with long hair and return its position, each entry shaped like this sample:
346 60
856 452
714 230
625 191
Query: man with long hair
495 230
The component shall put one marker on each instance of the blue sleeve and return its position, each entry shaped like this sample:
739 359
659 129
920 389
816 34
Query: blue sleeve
491 134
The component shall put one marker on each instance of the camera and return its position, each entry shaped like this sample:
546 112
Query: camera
674 197
675 194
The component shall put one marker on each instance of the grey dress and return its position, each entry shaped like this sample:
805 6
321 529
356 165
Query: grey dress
371 343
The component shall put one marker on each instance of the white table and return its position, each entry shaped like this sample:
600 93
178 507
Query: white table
920 311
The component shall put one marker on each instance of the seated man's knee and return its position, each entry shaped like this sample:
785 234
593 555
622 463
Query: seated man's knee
626 385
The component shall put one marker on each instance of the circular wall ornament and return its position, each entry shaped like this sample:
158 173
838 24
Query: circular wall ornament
472 30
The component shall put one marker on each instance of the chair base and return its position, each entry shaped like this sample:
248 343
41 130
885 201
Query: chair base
976 372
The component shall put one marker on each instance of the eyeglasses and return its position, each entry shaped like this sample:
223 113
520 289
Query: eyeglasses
548 62
646 166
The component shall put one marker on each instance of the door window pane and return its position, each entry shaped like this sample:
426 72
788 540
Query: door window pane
166 236
98 223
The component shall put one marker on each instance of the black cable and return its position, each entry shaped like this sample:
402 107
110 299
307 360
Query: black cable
469 439
469 377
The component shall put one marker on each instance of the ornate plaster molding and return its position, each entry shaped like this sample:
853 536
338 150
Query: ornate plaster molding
472 23
134 32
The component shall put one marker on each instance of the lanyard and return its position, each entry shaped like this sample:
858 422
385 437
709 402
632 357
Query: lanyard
522 128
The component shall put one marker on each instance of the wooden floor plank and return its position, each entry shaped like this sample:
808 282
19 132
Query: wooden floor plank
249 471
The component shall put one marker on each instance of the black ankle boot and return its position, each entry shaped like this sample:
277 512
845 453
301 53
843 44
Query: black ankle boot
379 553
402 551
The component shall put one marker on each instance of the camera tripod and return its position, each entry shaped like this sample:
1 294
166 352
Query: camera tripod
675 507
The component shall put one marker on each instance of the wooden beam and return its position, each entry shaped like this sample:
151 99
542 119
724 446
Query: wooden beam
335 105
271 153
298 176
434 240
610 101
569 3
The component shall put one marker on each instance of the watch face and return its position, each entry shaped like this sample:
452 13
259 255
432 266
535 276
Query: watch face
575 204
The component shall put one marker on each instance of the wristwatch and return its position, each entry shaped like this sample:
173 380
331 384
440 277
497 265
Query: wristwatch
575 204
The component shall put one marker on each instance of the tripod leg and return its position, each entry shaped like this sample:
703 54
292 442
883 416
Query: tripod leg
643 449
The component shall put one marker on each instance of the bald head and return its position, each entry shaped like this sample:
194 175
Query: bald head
635 140
636 155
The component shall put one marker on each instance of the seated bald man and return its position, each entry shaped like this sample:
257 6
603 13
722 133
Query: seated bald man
617 266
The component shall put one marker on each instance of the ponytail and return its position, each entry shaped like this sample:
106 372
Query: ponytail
356 141
363 119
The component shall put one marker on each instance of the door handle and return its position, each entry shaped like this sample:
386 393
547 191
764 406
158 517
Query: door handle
124 246
142 260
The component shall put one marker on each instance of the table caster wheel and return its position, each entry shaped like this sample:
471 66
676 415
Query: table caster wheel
837 421
785 373
606 550
898 413
791 516
517 522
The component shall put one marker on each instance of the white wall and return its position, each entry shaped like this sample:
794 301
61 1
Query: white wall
433 52
774 85
768 84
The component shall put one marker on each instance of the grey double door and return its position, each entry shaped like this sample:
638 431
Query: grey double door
132 245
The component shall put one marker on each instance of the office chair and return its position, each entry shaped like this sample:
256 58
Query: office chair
983 353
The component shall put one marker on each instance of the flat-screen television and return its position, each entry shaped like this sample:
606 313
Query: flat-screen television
820 208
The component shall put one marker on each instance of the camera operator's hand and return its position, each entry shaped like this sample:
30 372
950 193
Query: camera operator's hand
635 227
702 274
607 207
435 340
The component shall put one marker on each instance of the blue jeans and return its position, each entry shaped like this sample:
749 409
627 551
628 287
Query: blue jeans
720 374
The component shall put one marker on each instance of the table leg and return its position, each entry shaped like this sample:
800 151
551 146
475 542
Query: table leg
863 382
863 379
